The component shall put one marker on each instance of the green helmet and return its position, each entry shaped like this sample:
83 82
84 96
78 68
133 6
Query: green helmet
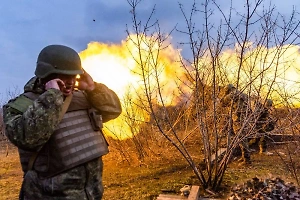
58 59
229 88
269 103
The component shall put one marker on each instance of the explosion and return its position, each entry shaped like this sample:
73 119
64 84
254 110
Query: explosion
117 66
273 71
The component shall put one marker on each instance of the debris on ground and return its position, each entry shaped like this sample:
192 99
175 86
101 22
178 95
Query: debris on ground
185 191
274 188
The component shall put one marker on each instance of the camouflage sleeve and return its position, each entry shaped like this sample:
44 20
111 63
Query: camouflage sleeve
31 129
105 101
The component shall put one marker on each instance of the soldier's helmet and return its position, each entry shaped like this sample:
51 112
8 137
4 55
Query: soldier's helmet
58 59
229 88
269 103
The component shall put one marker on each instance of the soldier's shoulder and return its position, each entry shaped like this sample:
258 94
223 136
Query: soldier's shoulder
19 103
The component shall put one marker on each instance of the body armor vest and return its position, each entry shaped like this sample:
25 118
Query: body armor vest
75 141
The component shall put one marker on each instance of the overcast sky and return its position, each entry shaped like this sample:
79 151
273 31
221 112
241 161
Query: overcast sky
28 26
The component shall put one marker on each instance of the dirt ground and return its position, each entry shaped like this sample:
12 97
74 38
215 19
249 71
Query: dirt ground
137 181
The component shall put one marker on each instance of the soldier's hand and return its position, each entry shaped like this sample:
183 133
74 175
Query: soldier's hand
54 83
86 82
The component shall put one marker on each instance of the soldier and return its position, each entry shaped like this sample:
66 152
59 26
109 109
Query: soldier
240 111
57 129
264 123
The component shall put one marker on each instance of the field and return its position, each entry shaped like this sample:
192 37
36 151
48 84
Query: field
130 179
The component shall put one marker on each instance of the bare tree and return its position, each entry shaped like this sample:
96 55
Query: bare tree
246 51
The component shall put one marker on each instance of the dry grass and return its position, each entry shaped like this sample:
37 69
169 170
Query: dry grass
133 180
10 172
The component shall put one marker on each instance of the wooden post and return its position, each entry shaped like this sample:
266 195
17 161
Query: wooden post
170 197
194 193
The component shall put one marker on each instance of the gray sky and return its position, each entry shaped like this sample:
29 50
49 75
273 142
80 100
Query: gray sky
28 26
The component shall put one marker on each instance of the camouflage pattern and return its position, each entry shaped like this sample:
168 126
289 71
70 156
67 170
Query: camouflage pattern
31 130
105 101
264 122
83 182
238 102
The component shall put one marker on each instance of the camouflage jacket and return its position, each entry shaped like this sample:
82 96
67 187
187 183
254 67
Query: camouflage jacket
240 106
263 119
31 129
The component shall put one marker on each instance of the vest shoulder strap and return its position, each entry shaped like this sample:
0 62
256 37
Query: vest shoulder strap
21 103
